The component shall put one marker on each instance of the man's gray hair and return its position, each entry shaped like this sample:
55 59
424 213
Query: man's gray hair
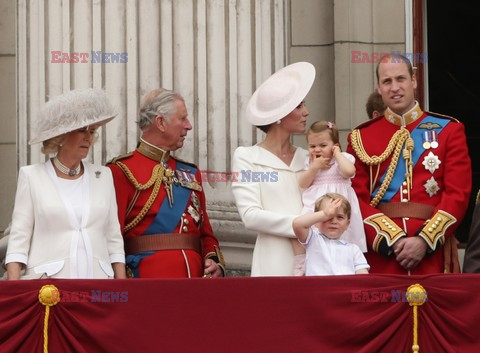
157 102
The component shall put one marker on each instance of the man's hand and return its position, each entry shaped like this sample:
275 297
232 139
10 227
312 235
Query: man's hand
212 269
410 251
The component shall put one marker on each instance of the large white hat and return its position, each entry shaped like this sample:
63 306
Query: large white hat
71 111
282 92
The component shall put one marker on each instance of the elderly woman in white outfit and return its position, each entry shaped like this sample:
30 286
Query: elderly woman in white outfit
267 194
64 222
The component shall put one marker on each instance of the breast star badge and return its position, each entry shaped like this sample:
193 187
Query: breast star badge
431 186
431 162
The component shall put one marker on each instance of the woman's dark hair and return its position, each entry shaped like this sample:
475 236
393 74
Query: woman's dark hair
265 128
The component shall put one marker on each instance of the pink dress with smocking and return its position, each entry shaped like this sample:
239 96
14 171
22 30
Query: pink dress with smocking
330 180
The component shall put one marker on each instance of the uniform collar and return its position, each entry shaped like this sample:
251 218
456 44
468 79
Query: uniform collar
152 152
405 119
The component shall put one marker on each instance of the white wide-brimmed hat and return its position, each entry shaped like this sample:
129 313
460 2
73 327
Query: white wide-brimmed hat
71 111
282 92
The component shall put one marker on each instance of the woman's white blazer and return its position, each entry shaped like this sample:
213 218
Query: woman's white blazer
267 204
45 232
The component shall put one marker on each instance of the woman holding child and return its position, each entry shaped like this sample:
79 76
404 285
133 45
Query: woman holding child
268 207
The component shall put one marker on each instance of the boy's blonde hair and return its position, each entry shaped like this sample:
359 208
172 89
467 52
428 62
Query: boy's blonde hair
347 208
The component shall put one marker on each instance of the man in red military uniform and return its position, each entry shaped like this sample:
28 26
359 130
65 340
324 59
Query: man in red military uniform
413 178
161 203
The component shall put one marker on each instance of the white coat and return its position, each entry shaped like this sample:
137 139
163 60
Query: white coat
45 232
269 205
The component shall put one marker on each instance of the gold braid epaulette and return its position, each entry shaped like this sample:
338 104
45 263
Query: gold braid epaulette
155 180
394 145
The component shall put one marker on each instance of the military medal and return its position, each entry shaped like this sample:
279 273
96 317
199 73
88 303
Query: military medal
434 143
426 140
193 212
181 177
188 180
195 201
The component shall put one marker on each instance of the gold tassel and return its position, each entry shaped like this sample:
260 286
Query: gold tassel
416 296
48 295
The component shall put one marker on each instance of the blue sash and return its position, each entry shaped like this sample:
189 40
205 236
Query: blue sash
399 174
167 217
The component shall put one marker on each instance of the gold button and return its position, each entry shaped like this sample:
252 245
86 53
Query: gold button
184 228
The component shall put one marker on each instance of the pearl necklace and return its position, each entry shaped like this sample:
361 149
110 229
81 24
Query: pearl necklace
64 169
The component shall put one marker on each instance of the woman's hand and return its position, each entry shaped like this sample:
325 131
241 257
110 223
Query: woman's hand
119 270
14 270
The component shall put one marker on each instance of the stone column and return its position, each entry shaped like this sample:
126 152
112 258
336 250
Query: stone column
8 162
362 31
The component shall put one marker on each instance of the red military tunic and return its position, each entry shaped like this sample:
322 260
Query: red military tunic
140 167
428 200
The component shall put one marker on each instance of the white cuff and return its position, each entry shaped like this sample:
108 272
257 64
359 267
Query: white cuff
117 258
16 258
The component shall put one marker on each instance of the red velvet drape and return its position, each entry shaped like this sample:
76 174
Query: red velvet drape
284 314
